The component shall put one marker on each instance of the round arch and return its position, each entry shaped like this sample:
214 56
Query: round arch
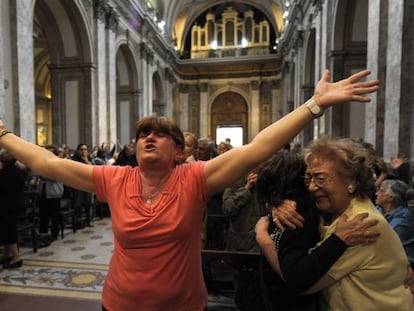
348 55
229 109
158 104
190 19
62 48
127 93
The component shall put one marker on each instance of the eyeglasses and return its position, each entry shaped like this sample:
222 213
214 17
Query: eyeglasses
318 180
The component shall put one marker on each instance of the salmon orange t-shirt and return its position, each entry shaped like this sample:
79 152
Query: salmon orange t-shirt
156 264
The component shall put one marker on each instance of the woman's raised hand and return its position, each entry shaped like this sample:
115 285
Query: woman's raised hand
350 89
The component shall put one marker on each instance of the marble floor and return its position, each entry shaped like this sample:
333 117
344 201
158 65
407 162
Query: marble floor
68 274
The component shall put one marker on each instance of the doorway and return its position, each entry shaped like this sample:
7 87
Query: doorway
229 119
230 134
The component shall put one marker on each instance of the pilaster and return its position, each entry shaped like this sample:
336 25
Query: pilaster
393 78
205 114
255 109
22 41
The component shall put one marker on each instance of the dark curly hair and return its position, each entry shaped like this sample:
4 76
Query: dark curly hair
161 124
7 159
280 178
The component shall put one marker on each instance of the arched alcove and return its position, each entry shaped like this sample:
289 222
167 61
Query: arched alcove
231 110
127 94
62 82
158 105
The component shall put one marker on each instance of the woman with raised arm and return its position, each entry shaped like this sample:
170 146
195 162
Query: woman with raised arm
156 207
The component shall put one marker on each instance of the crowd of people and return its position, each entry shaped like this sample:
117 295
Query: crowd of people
331 221
20 185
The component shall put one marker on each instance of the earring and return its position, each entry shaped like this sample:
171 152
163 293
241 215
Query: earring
351 189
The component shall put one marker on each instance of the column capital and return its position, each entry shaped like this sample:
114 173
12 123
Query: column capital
111 19
255 85
203 87
184 88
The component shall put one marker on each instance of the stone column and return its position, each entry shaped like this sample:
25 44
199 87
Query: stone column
277 102
3 82
144 111
100 108
373 44
255 110
184 107
169 84
322 46
406 141
205 113
23 82
336 113
110 134
151 68
393 78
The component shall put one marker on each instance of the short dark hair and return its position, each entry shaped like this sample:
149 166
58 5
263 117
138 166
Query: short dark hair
53 148
101 153
280 178
7 158
160 124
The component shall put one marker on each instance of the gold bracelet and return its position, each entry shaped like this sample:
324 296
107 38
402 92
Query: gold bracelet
4 132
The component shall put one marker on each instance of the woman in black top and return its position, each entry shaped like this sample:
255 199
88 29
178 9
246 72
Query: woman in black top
12 181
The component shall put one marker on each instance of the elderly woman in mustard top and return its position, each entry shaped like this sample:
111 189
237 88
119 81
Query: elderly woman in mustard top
371 276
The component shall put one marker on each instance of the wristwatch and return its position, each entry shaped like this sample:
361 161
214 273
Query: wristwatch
314 108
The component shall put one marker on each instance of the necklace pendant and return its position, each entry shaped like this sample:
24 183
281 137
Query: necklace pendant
149 201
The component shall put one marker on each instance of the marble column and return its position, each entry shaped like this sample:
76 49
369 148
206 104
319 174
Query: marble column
373 42
168 99
407 88
3 82
393 78
100 107
144 109
205 113
110 133
184 107
23 82
149 73
322 46
255 110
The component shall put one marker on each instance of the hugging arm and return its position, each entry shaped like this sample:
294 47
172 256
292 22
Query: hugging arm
293 262
305 271
301 265
266 244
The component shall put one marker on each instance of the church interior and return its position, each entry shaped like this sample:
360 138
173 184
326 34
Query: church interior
84 71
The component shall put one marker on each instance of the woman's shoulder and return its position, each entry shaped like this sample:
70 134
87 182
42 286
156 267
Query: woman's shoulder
190 168
115 171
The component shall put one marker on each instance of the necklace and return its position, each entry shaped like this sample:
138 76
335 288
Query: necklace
151 198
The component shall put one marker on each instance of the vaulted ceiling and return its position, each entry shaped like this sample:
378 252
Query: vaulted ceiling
179 15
